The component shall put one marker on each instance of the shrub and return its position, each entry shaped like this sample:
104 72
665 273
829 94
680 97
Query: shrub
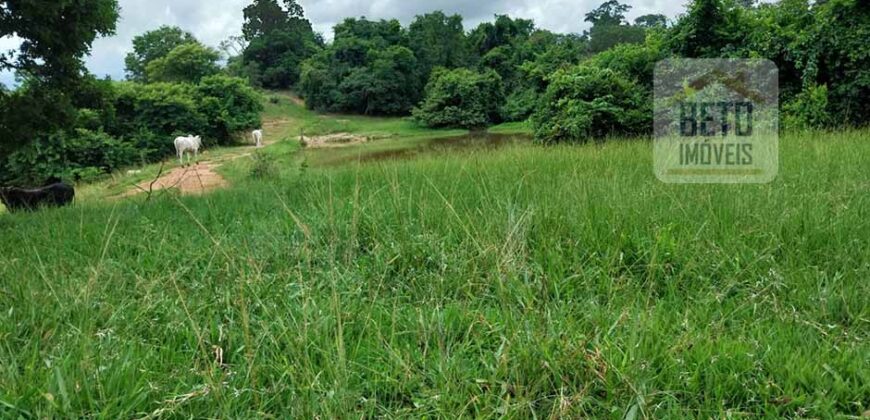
131 123
264 166
165 109
520 105
586 102
80 154
808 110
461 98
229 106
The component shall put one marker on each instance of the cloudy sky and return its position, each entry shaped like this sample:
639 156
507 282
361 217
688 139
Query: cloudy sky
212 21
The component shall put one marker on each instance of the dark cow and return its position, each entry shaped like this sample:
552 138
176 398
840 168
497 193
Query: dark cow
55 195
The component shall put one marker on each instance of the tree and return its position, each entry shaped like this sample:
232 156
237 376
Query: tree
461 98
367 70
437 40
605 37
187 63
378 34
278 41
610 29
586 102
711 28
262 17
610 13
387 85
651 21
153 45
54 37
504 31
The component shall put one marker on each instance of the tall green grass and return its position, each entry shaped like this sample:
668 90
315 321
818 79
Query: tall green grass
524 282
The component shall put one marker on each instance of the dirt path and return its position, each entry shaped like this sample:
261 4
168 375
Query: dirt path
195 179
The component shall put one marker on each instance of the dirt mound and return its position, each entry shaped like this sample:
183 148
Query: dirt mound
197 179
333 140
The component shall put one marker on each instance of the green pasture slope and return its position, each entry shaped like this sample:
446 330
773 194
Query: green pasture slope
525 282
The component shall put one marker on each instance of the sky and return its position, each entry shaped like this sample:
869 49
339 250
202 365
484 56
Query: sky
213 21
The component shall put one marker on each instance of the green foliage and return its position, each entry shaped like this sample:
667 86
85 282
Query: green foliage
154 45
609 13
651 21
520 104
279 40
836 53
604 37
609 28
808 110
229 106
167 110
367 70
504 31
264 166
126 123
461 98
710 29
635 61
187 63
54 37
73 155
587 102
263 17
437 40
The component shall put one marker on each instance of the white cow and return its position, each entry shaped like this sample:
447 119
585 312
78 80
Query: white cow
258 137
187 144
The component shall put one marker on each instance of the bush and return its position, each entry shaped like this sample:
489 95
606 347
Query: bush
165 109
520 105
229 106
808 110
131 123
264 166
586 102
77 155
461 98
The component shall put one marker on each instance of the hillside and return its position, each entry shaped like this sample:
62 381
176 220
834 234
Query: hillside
487 282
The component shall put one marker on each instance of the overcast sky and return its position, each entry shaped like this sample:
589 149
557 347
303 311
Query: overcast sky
212 21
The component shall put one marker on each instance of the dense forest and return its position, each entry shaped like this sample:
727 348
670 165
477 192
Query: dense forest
63 122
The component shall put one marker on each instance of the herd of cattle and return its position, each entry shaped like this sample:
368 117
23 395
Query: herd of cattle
56 193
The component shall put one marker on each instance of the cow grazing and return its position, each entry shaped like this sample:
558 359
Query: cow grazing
186 145
20 199
258 137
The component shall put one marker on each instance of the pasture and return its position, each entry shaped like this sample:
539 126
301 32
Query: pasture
520 282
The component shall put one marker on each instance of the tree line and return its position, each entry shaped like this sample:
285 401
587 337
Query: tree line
61 121
572 87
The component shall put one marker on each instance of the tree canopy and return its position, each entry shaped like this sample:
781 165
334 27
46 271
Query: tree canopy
461 98
154 45
54 37
186 63
278 39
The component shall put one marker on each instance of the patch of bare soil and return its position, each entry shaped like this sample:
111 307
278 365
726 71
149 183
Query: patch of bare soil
297 100
333 140
196 179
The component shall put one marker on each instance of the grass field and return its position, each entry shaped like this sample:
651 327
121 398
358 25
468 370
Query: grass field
525 282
